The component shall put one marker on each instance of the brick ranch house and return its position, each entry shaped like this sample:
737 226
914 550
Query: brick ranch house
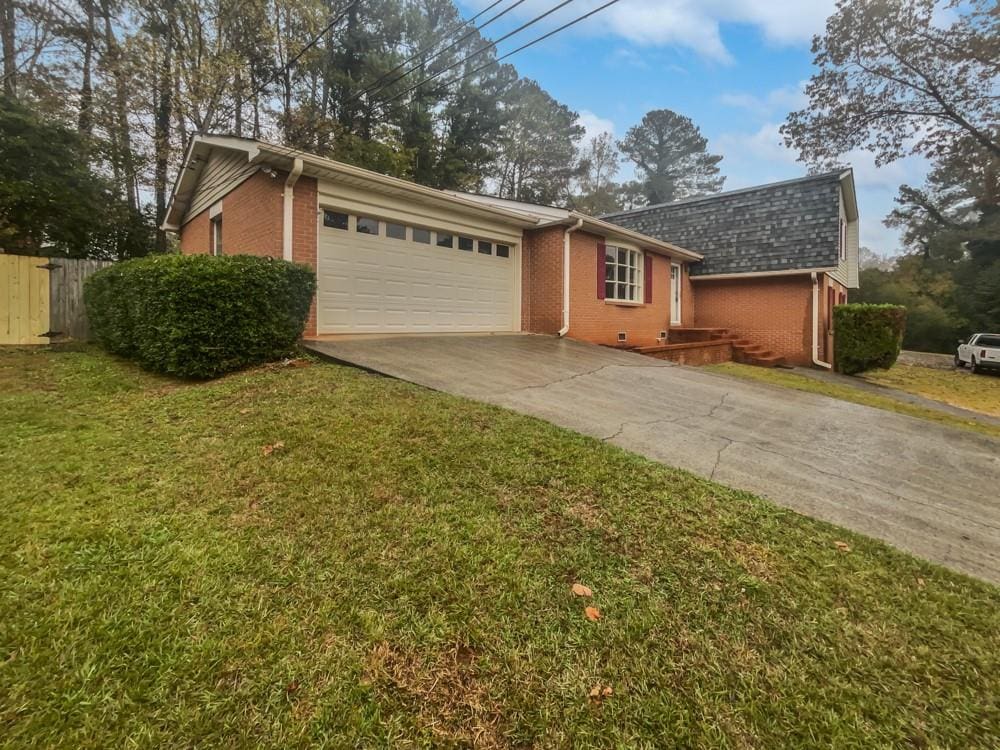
394 257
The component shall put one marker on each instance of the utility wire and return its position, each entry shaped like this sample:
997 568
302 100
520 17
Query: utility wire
431 46
480 68
294 59
482 49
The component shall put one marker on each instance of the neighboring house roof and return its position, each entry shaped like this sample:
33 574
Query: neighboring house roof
263 155
781 227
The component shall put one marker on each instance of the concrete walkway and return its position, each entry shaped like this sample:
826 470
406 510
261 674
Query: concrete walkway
927 489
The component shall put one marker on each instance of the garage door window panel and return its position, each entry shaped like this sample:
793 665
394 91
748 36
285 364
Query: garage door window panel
335 220
395 231
445 240
367 225
422 236
503 251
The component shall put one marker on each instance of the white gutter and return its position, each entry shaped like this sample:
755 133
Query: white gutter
569 230
815 336
286 225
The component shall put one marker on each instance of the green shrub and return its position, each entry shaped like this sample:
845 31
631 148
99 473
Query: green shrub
199 316
867 336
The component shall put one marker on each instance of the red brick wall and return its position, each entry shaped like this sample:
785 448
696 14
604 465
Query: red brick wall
252 218
697 354
775 312
196 236
542 280
304 239
591 319
599 321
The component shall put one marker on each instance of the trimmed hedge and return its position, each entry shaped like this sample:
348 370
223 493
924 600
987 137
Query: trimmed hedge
199 316
867 336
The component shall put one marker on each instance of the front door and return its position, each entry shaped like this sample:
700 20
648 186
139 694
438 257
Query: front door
675 294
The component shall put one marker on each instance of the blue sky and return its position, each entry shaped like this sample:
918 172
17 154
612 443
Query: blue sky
735 67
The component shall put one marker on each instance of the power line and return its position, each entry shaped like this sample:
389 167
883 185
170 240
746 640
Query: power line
479 51
370 89
294 59
505 56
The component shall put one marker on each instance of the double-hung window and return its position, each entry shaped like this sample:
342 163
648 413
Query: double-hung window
622 274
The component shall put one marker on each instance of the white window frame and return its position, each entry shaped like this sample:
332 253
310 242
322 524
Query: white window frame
217 243
676 298
636 287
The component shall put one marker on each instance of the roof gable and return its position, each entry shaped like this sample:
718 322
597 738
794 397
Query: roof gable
784 226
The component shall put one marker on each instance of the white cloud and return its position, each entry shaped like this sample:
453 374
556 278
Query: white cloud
594 124
779 101
692 24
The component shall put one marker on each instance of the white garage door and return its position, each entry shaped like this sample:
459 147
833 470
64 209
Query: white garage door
377 276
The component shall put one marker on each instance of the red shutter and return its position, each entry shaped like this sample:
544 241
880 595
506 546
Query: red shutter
602 250
647 278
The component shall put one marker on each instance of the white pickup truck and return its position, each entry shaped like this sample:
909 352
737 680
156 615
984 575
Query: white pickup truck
980 352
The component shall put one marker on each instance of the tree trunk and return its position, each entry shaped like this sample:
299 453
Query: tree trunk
161 124
121 136
238 102
7 41
85 120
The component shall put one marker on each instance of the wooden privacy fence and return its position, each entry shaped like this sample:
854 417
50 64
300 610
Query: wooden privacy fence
41 299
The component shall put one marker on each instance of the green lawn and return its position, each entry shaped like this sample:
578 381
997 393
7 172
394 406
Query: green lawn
956 387
398 574
787 379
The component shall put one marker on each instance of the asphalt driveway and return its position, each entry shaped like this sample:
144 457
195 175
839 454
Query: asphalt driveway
925 488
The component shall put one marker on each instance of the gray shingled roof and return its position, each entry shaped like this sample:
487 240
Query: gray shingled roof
779 227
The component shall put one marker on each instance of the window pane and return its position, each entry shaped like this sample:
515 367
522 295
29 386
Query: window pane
486 248
623 256
609 291
423 236
631 275
609 254
396 231
465 243
367 226
622 292
609 271
334 220
622 273
503 251
445 240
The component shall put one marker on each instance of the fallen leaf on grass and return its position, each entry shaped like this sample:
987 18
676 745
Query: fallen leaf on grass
245 411
580 590
842 546
920 582
598 693
592 613
269 449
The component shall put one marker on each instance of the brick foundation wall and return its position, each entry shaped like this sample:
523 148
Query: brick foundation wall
696 354
775 312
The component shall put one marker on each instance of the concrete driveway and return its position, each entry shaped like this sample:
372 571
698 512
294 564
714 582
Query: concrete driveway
927 489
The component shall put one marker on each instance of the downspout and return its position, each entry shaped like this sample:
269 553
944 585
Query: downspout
286 225
569 230
815 337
